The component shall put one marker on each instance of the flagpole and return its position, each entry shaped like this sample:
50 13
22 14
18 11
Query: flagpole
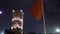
43 18
44 24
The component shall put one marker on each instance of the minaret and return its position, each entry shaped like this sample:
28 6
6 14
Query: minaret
17 19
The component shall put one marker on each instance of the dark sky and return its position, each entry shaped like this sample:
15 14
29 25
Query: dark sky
51 11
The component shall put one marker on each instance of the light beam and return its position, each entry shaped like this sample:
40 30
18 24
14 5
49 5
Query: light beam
2 33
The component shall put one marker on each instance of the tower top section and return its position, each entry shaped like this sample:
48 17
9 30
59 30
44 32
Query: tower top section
17 13
17 19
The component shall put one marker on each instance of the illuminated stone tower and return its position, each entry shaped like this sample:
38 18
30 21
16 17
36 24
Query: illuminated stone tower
17 19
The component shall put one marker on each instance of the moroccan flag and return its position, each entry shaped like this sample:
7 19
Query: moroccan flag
37 9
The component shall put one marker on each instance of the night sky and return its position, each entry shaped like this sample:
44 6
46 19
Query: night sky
51 11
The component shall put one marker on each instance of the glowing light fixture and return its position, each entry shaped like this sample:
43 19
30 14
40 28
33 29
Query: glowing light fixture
0 12
57 30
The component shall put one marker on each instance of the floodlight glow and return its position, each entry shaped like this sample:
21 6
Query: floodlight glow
0 12
21 10
57 30
13 10
2 33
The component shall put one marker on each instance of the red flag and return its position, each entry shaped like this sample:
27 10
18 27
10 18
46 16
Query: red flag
36 9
